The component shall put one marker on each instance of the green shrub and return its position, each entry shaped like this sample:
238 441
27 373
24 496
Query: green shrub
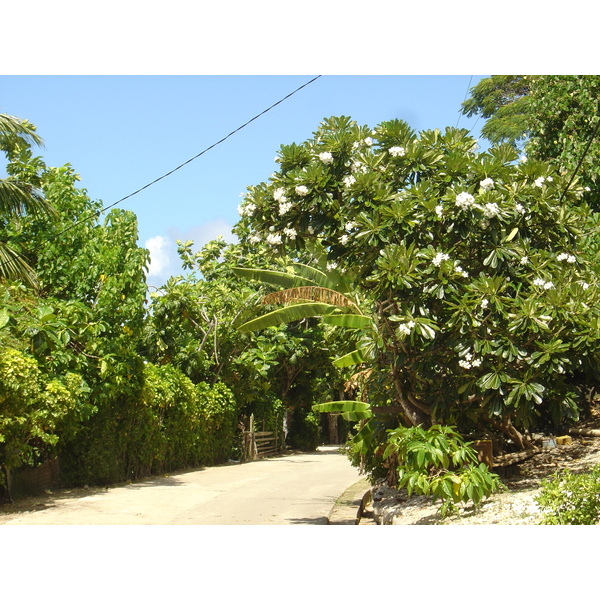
571 499
168 423
438 462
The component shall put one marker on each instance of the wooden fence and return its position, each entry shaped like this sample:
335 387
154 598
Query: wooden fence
258 444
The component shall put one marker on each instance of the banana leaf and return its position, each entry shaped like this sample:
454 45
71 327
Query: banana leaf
273 277
352 358
295 312
349 321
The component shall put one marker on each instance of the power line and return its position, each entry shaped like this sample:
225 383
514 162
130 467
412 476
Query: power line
466 94
99 212
583 155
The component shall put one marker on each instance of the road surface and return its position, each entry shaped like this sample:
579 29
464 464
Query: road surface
296 489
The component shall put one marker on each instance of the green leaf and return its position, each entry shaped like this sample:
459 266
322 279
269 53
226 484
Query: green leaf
4 318
343 406
349 321
352 358
296 312
273 277
511 235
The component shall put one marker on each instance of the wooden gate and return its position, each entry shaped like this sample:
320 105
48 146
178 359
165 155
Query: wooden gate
258 444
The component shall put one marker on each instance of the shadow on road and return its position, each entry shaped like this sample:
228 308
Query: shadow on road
309 521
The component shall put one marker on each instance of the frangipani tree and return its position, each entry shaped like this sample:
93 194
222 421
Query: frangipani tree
484 304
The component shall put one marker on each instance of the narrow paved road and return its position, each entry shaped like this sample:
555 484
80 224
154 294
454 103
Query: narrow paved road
298 489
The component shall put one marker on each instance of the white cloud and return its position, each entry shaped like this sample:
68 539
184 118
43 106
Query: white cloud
202 234
159 255
164 260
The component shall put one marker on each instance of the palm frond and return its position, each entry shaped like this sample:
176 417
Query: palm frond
13 128
17 199
13 267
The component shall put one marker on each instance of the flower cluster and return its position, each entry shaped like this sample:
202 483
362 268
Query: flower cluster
539 282
469 362
397 151
439 258
301 190
486 184
406 328
460 271
246 209
491 210
349 181
464 200
564 256
274 239
284 204
326 158
291 233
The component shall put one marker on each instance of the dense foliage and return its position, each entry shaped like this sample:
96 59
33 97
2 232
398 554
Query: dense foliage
432 292
473 268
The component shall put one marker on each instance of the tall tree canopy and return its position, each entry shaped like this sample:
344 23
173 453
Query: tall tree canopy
472 266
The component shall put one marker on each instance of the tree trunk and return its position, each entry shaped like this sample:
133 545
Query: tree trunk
506 427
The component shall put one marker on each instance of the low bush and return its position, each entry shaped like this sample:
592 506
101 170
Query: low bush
568 498
438 462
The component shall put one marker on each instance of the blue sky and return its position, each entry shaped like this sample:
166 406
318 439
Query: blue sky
123 132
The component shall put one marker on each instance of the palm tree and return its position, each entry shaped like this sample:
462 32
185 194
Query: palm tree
17 197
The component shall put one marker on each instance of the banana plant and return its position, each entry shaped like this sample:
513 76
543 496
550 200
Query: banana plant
310 292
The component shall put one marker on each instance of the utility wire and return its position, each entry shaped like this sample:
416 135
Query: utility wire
99 212
594 133
466 94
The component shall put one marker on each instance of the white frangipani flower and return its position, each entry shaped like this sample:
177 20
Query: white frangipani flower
439 210
486 184
291 233
539 282
491 209
464 200
349 181
284 208
539 182
568 257
458 269
326 157
301 190
279 195
439 258
397 151
274 239
344 239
